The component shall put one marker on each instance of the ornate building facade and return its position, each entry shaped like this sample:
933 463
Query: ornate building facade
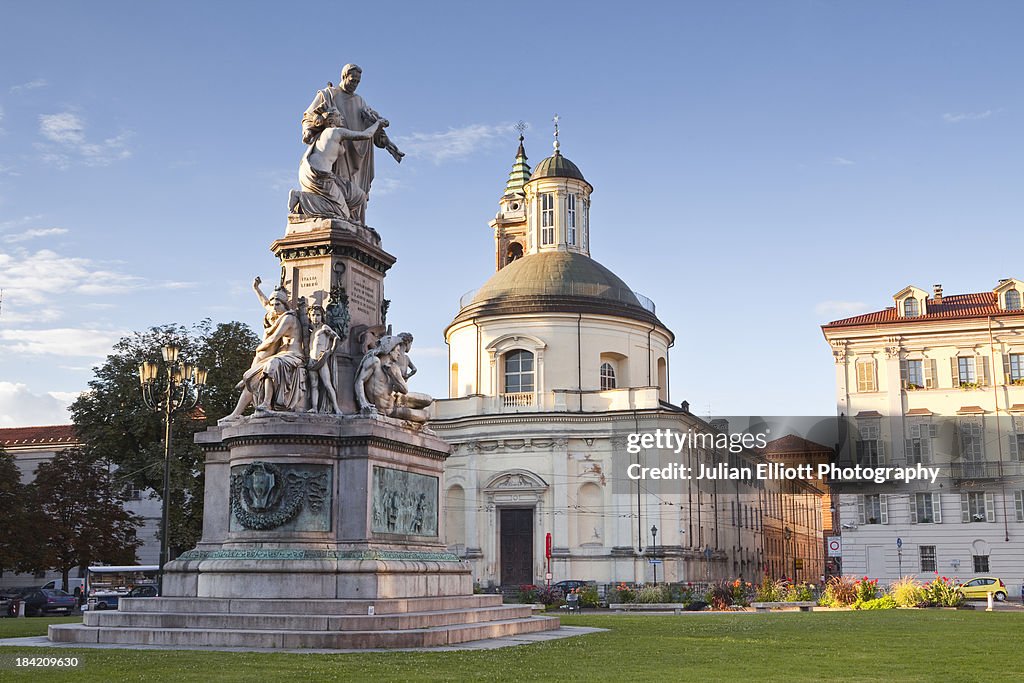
936 380
554 363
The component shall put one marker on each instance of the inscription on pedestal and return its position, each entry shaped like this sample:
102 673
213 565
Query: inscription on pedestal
365 296
404 503
309 279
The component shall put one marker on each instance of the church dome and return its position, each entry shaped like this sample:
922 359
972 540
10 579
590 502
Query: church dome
557 166
557 281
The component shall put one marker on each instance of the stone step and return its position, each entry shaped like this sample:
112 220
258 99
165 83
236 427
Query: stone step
308 607
304 622
281 639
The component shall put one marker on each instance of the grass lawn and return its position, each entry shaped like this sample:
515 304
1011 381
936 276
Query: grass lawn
890 645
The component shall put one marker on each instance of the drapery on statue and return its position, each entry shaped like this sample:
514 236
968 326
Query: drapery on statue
322 345
324 192
381 385
356 163
276 380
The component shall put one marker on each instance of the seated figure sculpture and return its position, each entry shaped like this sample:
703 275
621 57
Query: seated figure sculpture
381 385
276 380
324 192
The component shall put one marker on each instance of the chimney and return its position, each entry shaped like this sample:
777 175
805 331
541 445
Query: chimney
938 293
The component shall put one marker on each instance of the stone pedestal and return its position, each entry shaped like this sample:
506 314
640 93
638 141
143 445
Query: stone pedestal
318 531
327 259
351 510
320 254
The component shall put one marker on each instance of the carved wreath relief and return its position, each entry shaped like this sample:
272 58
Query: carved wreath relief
266 496
404 502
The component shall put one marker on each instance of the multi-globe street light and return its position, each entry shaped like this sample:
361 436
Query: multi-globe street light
176 390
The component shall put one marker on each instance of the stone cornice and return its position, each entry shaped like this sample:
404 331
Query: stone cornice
339 442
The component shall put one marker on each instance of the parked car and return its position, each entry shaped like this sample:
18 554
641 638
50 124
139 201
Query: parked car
43 601
75 585
143 592
978 588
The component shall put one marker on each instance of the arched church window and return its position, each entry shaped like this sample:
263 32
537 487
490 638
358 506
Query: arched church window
519 372
515 251
607 376
1012 300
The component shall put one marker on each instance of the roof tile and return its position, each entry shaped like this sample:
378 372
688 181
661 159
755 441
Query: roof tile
953 307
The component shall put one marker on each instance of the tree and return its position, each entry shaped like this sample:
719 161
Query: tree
79 518
14 508
114 423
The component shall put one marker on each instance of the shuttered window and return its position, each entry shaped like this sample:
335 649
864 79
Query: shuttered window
866 376
977 507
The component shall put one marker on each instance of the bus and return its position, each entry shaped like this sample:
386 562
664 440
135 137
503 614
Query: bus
106 585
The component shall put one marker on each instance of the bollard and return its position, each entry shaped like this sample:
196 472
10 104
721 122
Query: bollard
21 608
989 608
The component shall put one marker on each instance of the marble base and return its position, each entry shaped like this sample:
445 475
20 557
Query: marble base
340 571
315 624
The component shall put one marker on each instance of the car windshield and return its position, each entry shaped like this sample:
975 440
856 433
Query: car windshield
55 593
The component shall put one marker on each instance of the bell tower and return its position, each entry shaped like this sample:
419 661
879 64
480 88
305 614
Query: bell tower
509 224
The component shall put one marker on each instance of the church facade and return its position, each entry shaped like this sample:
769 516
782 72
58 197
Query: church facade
555 365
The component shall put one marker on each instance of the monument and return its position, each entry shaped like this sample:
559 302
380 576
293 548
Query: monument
323 511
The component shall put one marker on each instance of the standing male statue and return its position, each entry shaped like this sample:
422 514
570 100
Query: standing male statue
356 164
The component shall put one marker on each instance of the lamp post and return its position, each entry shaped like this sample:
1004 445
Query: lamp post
178 390
788 534
654 543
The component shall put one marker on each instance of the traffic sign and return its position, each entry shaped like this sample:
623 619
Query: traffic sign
899 542
654 561
835 546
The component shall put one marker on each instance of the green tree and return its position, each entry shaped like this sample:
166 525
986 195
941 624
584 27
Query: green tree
14 546
113 421
80 519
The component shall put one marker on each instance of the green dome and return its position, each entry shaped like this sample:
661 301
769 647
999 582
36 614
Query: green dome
557 166
557 281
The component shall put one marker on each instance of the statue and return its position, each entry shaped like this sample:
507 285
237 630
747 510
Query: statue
381 387
356 163
325 192
336 313
276 380
322 345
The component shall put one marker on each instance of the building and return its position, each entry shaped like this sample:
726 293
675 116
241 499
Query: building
556 367
793 451
936 380
32 446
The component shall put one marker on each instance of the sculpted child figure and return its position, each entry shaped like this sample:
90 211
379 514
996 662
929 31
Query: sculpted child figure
322 345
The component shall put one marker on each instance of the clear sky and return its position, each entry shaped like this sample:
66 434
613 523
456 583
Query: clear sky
759 168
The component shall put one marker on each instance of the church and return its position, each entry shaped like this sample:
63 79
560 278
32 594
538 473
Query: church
553 363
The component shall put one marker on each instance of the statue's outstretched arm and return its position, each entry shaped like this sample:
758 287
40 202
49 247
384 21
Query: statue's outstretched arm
259 293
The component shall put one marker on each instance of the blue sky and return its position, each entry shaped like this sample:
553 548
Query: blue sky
759 168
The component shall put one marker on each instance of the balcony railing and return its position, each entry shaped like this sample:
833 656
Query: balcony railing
523 399
976 470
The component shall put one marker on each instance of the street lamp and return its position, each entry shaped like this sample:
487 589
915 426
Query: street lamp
178 390
788 534
654 543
